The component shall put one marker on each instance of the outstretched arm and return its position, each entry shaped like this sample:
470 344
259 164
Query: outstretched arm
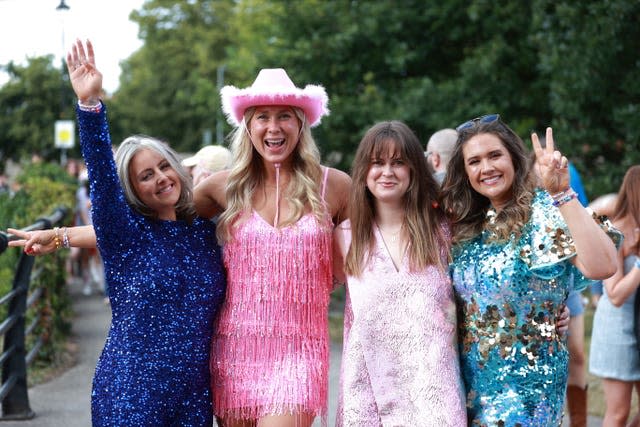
595 251
42 242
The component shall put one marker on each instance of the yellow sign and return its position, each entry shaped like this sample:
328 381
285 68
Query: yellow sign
65 134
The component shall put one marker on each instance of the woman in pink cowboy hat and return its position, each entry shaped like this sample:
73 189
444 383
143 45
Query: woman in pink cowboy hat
277 206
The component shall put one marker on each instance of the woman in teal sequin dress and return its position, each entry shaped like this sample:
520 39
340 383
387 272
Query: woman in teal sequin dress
515 249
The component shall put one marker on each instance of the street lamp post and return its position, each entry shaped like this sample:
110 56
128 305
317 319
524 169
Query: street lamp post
62 7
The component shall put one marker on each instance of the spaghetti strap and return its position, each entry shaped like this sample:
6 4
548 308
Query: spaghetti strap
324 181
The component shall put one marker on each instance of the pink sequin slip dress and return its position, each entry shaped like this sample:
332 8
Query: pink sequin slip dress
270 350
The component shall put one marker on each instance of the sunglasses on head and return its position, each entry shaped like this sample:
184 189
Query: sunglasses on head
489 118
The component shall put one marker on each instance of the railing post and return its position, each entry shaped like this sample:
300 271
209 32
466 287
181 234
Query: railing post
14 390
15 405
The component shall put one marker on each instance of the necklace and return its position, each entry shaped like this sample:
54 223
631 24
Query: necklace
393 236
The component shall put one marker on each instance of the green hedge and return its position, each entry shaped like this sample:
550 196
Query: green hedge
43 187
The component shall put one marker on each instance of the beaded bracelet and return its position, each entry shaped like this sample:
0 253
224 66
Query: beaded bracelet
56 238
563 197
65 238
96 108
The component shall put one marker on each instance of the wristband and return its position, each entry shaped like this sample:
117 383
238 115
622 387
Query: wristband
564 197
96 108
65 238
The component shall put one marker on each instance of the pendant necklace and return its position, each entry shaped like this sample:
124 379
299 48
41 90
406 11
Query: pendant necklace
393 236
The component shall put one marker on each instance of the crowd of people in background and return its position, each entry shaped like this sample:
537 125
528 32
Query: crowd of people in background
431 245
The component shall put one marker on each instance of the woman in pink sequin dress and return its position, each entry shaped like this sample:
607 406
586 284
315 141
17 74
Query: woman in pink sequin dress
278 207
400 361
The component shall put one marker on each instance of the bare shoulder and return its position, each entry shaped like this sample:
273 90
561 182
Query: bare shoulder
337 193
210 194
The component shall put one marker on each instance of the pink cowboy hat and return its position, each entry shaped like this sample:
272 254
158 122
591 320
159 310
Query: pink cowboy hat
274 87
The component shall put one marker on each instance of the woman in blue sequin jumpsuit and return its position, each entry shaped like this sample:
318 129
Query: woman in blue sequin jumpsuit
514 248
164 270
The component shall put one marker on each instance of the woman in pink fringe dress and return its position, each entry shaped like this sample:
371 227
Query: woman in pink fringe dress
278 207
400 360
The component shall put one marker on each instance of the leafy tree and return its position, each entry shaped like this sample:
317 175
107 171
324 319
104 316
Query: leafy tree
34 98
589 55
168 88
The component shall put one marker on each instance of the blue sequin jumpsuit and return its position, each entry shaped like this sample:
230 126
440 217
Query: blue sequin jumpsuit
166 283
514 365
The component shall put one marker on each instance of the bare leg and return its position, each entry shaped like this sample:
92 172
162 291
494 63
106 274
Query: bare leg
617 395
293 420
232 422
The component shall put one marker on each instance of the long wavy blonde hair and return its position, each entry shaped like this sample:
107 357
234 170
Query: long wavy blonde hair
468 208
247 176
423 217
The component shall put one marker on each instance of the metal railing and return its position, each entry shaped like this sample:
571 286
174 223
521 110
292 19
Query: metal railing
15 358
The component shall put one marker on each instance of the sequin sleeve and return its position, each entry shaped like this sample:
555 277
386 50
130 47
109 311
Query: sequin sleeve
550 243
110 213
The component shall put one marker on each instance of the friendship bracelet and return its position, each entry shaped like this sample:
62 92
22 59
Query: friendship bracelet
96 108
56 238
65 238
564 197
561 193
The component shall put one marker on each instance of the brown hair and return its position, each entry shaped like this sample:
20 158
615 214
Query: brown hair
628 201
423 217
467 208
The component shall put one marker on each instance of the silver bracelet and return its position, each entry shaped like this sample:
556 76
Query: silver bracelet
65 238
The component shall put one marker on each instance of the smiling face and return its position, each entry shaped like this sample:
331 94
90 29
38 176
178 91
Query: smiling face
489 167
389 175
274 132
155 182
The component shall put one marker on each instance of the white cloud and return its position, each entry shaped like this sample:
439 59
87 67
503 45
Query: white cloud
31 28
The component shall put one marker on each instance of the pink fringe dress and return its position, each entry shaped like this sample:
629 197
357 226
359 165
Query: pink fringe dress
270 350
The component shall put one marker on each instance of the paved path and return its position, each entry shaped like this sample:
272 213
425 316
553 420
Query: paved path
65 400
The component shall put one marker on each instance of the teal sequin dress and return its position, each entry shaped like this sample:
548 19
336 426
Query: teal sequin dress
514 365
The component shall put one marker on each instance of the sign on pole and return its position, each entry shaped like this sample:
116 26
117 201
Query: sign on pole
65 134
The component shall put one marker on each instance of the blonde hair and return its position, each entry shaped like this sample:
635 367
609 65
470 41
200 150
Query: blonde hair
468 208
247 176
185 209
423 217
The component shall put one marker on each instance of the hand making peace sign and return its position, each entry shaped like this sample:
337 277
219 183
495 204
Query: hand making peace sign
553 167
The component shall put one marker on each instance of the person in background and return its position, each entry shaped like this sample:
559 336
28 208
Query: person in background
400 361
163 265
439 149
577 382
208 160
603 206
278 207
4 184
510 275
615 352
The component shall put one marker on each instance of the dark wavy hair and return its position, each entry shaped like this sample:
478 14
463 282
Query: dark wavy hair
467 208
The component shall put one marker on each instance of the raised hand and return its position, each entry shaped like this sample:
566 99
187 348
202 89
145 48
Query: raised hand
552 166
85 77
35 242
